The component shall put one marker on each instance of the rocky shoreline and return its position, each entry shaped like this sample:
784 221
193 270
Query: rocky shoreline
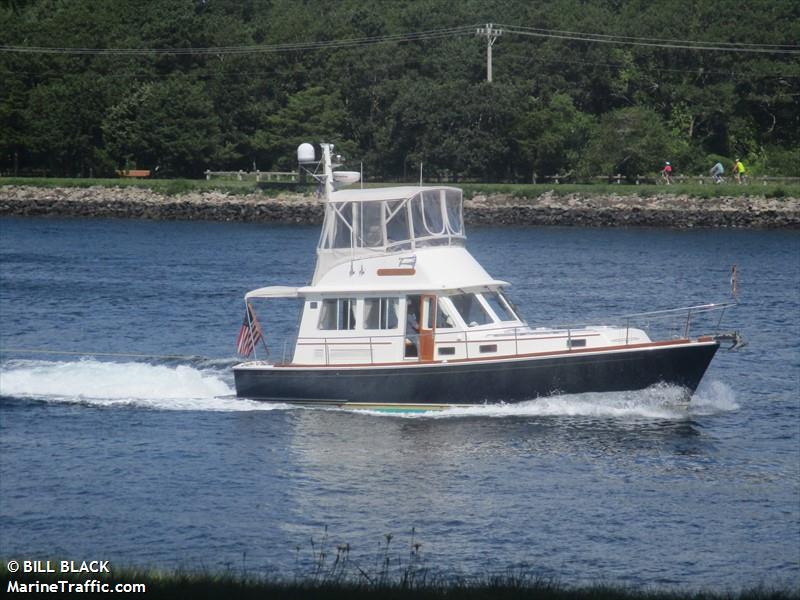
577 209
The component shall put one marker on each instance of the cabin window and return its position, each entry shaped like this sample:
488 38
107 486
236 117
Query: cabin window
470 309
488 348
453 205
432 212
372 224
576 343
499 306
381 313
443 318
427 218
338 313
337 229
397 232
416 217
447 351
342 237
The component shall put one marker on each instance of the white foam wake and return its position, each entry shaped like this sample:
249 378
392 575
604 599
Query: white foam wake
659 402
713 397
93 382
184 387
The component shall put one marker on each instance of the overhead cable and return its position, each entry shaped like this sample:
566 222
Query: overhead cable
419 36
261 49
653 43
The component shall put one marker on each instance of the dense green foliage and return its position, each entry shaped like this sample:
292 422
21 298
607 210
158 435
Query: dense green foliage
554 106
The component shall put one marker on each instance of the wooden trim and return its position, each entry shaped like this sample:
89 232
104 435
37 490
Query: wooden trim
396 272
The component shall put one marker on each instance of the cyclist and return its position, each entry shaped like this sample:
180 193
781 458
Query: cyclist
716 172
666 173
738 171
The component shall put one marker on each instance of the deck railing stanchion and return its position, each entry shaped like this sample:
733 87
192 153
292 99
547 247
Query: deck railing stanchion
688 319
719 321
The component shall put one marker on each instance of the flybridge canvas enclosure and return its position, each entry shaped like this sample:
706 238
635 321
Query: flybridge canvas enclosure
361 223
398 219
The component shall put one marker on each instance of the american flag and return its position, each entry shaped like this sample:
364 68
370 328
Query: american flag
249 333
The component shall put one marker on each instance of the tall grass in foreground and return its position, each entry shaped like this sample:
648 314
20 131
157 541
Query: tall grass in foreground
184 584
325 569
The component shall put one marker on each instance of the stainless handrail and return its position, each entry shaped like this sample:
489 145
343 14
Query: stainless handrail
521 332
697 309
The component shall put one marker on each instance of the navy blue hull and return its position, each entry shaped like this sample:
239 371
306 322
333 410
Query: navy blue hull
479 382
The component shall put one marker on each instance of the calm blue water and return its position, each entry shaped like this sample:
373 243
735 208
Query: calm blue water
150 461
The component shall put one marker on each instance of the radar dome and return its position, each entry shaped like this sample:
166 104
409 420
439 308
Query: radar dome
346 177
306 154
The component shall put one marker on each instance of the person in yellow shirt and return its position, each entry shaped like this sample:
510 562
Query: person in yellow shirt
738 171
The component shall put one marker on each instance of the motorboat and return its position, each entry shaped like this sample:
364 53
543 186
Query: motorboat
399 314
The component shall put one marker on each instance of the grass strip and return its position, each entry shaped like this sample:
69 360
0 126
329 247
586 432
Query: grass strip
207 585
172 187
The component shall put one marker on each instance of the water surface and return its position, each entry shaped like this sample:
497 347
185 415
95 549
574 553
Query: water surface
150 460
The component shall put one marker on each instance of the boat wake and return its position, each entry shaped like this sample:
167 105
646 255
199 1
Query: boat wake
658 402
208 387
97 383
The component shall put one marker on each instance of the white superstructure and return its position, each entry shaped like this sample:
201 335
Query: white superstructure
395 284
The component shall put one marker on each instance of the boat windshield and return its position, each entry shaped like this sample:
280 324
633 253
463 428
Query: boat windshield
431 217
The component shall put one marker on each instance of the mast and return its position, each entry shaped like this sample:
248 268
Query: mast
327 165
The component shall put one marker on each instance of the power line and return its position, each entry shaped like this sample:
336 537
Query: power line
652 39
691 45
262 49
418 36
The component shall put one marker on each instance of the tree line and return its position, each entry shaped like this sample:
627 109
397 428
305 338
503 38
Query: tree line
556 104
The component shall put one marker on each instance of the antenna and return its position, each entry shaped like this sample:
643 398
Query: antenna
328 178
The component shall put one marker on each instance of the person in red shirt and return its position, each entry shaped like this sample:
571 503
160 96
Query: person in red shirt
666 173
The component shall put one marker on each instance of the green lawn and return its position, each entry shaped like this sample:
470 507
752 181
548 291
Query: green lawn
234 186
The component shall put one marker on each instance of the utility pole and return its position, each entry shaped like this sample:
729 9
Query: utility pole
491 34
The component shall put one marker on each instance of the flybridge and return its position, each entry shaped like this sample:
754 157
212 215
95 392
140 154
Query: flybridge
393 219
387 219
366 223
